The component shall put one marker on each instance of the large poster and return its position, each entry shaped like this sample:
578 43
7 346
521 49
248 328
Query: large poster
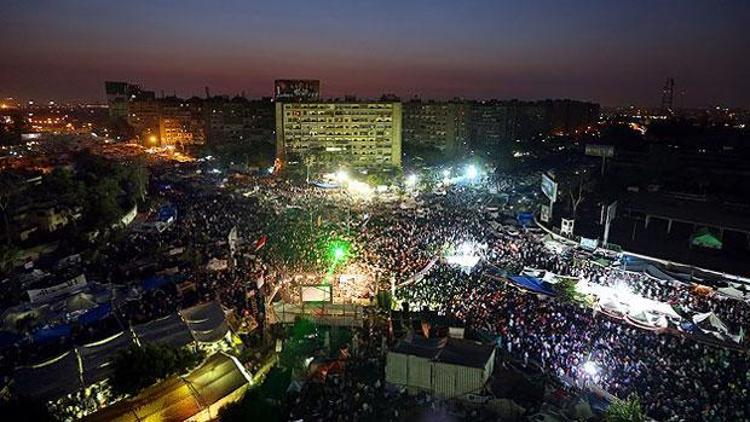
549 188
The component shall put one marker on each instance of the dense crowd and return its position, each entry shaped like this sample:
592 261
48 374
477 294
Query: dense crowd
676 377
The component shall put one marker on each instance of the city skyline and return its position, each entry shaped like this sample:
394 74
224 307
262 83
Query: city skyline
607 52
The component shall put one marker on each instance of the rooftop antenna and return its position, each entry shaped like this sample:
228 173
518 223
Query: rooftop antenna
208 94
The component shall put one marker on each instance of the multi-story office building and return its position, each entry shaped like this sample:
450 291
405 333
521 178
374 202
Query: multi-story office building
143 116
441 125
239 119
361 134
180 122
494 122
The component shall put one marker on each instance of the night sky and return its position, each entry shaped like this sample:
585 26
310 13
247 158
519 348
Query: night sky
613 52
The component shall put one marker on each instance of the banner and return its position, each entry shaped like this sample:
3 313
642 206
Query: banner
589 244
232 240
71 286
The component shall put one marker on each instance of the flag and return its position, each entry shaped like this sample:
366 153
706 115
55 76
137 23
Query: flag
261 242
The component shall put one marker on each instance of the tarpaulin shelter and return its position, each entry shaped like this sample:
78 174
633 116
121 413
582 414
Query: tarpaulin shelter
324 185
198 396
533 284
525 218
8 339
170 330
49 334
705 239
207 322
158 281
49 380
97 358
96 314
167 213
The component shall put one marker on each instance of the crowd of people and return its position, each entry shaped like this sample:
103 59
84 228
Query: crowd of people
676 377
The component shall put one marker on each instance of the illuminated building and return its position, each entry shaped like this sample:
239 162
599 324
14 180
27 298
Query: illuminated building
441 125
359 134
180 122
143 116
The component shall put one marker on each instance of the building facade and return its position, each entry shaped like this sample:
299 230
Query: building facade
359 134
239 120
440 125
494 122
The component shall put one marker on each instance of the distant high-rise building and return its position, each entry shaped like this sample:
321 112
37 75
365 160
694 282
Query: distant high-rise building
361 134
667 97
296 90
441 125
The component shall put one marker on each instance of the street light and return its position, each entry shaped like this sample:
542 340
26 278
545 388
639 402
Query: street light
411 180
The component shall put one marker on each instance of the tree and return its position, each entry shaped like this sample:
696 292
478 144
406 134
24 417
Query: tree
578 186
628 410
254 406
566 290
384 300
10 187
25 409
139 367
61 183
103 208
135 181
300 344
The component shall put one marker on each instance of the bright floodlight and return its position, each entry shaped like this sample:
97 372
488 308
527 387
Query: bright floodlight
342 176
472 172
590 368
411 180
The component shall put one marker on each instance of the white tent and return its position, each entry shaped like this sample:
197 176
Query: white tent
80 302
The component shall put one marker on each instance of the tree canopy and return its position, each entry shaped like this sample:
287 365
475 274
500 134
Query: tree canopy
139 367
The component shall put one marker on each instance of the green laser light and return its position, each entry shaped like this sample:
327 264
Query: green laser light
339 253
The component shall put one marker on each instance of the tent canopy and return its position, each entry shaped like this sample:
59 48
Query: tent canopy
705 239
